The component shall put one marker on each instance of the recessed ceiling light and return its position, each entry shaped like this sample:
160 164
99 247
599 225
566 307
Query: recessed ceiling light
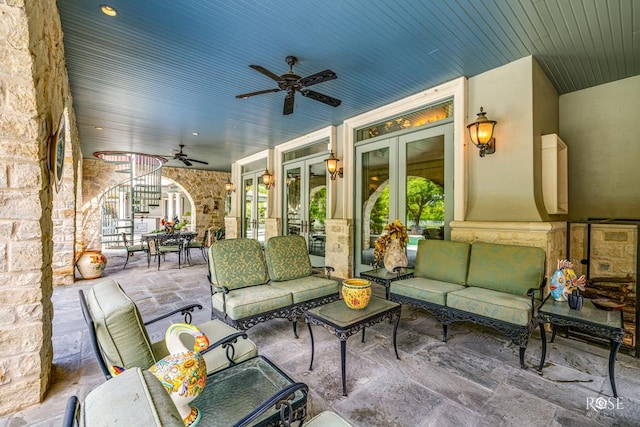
195 133
98 128
108 10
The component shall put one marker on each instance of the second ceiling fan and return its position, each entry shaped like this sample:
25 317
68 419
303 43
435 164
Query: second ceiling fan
291 82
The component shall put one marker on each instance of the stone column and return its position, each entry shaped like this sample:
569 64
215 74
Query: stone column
232 227
169 213
34 93
339 246
272 227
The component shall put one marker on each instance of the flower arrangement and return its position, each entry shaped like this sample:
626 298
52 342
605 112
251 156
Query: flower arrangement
393 231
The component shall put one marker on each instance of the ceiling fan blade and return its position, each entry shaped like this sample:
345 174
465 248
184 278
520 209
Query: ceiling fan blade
260 92
320 97
186 162
288 103
316 78
198 161
266 72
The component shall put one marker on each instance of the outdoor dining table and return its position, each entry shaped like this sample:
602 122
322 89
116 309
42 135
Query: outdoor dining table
177 241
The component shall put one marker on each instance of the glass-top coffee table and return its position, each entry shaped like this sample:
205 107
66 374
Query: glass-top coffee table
603 323
384 278
232 394
343 322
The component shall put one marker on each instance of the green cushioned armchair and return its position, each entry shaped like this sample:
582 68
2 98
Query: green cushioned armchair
119 336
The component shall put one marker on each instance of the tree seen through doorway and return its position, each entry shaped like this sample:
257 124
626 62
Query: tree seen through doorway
425 202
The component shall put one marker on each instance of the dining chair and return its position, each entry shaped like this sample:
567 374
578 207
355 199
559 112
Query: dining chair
198 244
132 249
161 244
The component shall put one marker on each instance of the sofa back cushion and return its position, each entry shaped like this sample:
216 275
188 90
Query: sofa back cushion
120 331
506 268
442 260
237 263
287 258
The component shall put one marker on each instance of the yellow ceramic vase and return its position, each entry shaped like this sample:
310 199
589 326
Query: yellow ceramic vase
356 293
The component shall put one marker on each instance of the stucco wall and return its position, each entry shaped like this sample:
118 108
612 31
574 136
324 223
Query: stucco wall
501 185
600 126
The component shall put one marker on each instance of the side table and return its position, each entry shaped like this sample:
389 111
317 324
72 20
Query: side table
343 322
607 324
384 278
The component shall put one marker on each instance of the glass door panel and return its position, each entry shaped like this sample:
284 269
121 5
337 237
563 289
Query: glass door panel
317 212
247 208
305 202
254 207
372 198
403 177
293 193
424 186
261 213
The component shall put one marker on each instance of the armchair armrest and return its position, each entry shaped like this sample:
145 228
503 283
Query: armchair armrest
327 270
71 412
227 343
184 311
281 401
531 292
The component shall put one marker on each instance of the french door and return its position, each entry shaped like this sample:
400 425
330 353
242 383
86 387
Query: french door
305 203
407 177
254 207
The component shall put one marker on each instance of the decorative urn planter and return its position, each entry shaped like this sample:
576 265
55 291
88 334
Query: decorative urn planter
91 264
183 373
395 256
356 293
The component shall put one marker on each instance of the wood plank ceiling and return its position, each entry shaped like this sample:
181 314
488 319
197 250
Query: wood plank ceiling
161 70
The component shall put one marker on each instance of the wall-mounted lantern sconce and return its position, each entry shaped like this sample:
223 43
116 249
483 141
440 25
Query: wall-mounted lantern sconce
267 179
481 134
228 187
332 166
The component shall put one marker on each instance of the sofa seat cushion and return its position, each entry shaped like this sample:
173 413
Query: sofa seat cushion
215 359
308 288
442 260
497 305
422 289
135 397
251 301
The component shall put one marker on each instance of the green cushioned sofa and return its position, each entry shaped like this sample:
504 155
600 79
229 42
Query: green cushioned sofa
494 285
250 285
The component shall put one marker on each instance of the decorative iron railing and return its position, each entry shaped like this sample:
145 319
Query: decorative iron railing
140 192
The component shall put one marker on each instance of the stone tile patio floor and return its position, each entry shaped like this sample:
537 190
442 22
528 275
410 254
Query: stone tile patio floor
472 380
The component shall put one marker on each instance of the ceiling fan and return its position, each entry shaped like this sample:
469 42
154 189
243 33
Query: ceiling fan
180 155
291 82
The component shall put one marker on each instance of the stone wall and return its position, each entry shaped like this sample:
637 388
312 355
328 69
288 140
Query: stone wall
612 267
33 95
206 188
